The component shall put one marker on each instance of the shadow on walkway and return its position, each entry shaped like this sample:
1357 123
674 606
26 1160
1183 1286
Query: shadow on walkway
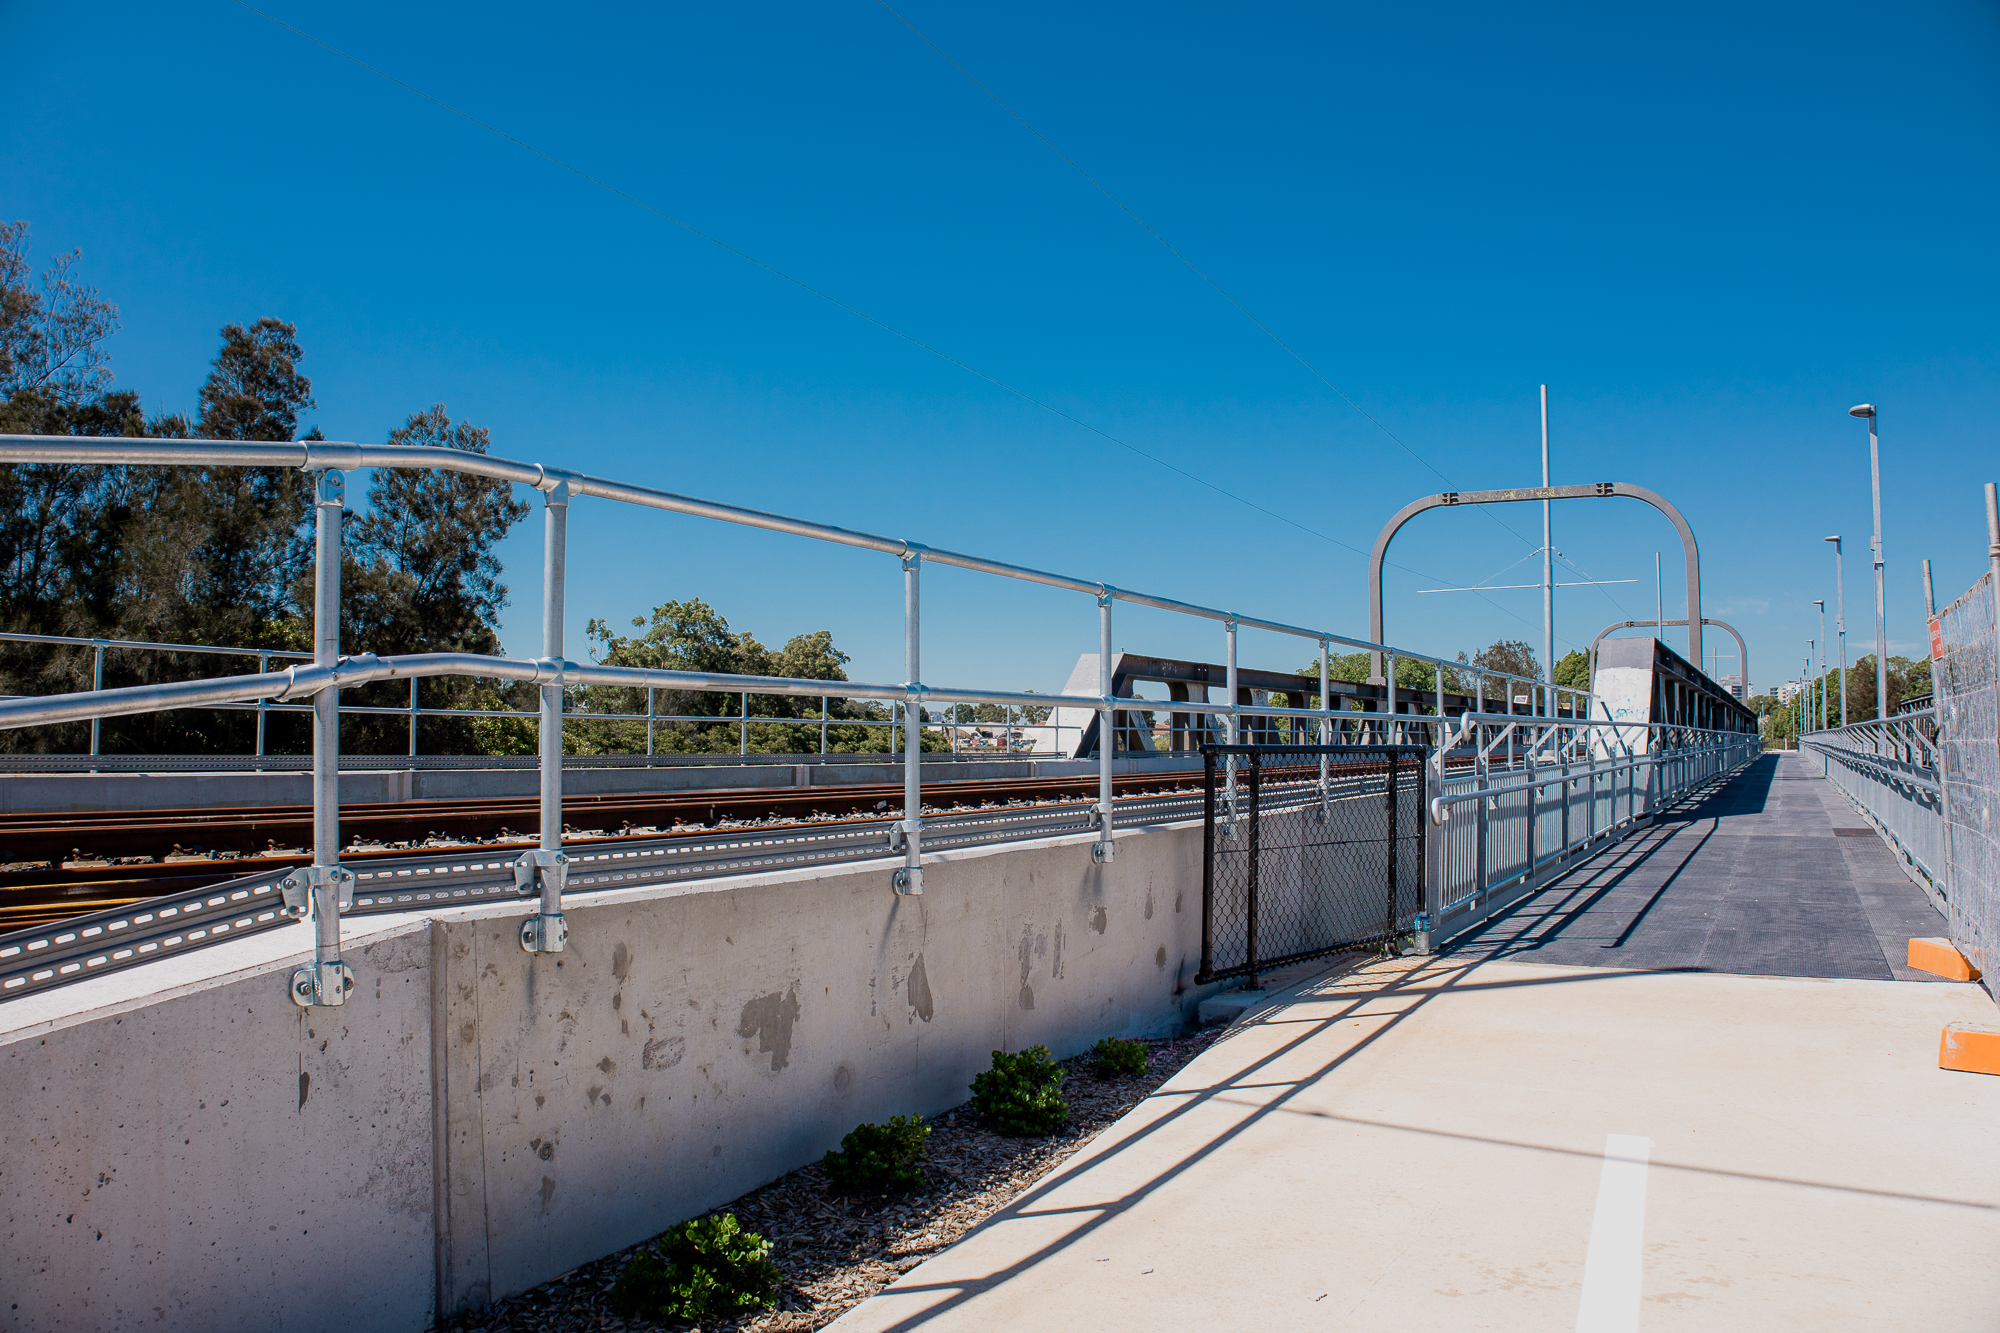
1760 876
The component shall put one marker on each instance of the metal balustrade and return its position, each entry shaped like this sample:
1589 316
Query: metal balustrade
1888 768
323 890
1520 800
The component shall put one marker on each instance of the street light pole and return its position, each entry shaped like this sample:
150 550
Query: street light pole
1867 412
1820 602
1840 622
1810 701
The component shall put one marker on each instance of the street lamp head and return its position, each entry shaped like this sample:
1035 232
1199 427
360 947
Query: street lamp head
1861 410
1834 540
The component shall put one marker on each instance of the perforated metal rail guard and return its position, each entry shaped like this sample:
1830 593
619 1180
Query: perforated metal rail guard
36 960
1307 851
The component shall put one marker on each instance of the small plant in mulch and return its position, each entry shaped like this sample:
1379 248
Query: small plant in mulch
1117 1058
704 1268
1022 1093
884 1158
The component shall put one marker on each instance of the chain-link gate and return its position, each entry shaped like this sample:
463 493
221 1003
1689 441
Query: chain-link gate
1307 850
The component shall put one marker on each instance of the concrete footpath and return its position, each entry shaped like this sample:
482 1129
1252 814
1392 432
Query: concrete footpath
1461 1143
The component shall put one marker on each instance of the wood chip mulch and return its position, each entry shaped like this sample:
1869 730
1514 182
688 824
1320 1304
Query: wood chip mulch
837 1251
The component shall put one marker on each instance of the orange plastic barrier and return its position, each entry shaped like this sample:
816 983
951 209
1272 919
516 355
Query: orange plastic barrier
1938 956
1972 1050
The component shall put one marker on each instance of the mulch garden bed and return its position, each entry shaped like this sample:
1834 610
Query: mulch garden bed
837 1251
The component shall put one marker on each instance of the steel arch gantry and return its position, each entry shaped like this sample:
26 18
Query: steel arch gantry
1596 490
1742 649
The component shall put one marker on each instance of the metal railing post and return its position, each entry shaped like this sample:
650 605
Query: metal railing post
1483 770
97 683
1229 728
413 717
822 724
1325 724
1389 727
263 668
650 710
546 869
1103 849
1528 762
910 879
743 727
324 888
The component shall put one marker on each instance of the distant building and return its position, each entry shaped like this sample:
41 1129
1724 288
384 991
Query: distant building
1735 686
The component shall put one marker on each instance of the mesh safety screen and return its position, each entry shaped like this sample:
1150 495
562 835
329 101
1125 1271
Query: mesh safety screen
1309 850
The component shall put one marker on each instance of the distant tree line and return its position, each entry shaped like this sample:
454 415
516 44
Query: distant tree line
223 556
1784 719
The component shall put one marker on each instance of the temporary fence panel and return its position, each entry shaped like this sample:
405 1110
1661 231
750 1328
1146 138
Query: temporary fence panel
1966 682
1308 850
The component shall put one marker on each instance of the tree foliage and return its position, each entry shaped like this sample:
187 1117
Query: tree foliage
220 555
52 334
421 574
693 636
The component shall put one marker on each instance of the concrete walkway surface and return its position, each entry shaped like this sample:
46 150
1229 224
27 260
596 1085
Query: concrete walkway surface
1422 1144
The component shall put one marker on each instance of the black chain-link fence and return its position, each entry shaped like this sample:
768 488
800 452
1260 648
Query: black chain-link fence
1308 850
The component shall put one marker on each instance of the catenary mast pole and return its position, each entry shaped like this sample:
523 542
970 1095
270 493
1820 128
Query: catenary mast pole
1548 574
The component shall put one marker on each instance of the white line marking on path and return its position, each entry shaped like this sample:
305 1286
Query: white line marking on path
1612 1270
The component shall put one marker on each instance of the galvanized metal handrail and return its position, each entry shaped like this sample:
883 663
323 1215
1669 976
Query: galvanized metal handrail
324 888
1890 770
1608 778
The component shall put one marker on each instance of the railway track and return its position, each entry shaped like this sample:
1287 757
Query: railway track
61 866
79 919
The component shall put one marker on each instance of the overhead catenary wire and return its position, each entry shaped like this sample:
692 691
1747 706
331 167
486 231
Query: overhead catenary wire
823 295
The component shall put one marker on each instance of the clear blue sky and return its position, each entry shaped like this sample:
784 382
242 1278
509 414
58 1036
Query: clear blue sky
1708 229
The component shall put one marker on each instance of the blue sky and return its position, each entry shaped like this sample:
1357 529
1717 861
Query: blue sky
1708 229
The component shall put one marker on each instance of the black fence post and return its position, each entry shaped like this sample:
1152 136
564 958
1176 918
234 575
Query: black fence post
1423 834
1207 864
1390 926
1250 928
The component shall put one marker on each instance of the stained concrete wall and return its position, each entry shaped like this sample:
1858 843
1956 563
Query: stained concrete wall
477 1120
219 1159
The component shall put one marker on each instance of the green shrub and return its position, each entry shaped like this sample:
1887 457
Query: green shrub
879 1157
1022 1094
706 1268
1121 1059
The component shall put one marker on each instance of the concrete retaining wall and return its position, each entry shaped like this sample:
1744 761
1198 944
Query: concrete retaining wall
477 1120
